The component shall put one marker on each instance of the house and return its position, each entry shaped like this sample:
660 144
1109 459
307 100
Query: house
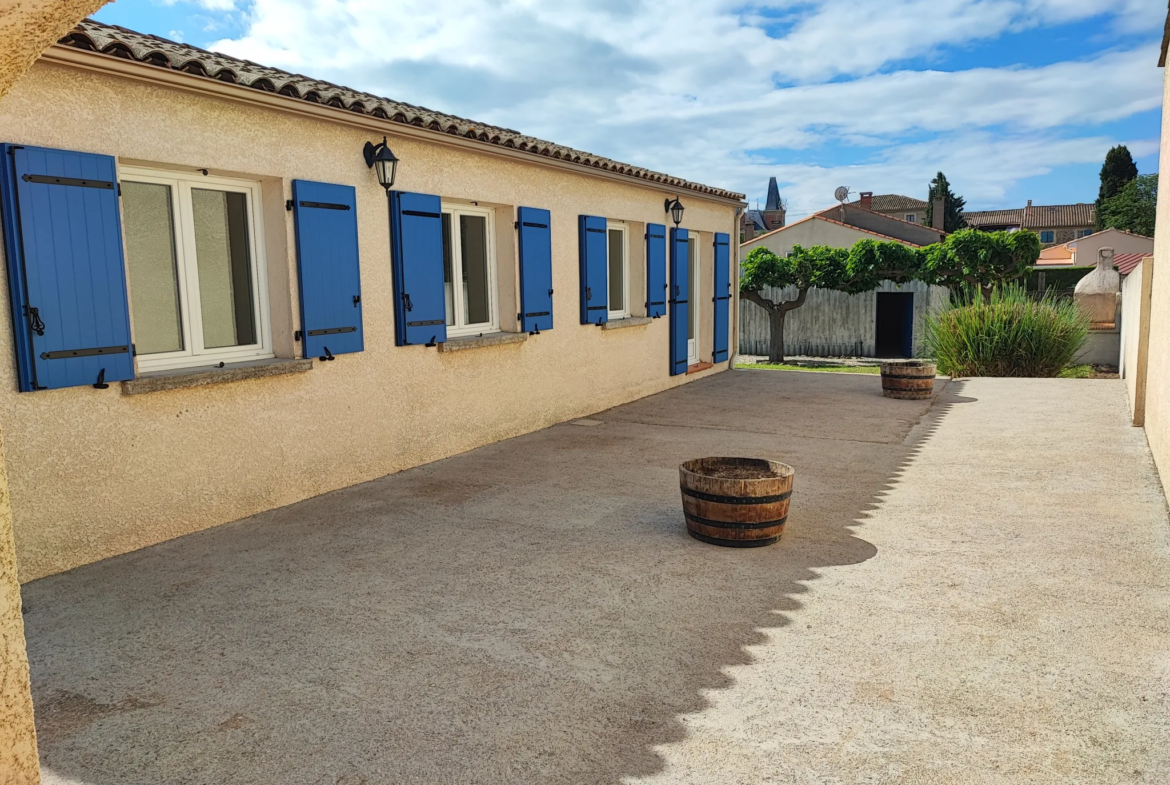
1058 223
756 222
905 208
885 322
1083 251
217 307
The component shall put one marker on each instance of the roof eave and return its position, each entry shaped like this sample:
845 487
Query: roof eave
181 80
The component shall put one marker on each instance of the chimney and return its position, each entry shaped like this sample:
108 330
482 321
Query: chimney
939 212
866 200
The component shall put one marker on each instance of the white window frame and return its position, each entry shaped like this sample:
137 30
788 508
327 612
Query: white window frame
193 354
694 274
624 312
457 330
912 218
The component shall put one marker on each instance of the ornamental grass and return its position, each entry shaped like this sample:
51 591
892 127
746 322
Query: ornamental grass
1010 334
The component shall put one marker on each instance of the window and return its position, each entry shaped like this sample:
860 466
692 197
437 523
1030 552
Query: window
196 269
911 218
469 270
1084 232
1047 237
693 261
618 269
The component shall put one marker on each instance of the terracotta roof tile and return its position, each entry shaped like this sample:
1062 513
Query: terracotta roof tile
128 44
1125 262
893 202
1035 216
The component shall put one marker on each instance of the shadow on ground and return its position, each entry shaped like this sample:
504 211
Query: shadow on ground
528 612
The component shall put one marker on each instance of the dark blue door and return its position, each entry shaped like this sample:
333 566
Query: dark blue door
65 267
680 287
328 269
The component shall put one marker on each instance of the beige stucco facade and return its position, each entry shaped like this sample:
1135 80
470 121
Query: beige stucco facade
28 27
97 473
1157 391
807 233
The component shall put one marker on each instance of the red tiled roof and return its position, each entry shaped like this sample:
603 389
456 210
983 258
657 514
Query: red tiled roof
1126 262
819 217
129 45
1054 216
893 202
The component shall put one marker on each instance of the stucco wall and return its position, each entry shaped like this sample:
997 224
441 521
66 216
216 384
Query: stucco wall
97 473
1135 336
28 27
1085 249
1158 369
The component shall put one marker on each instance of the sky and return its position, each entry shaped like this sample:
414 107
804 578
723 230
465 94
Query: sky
1012 99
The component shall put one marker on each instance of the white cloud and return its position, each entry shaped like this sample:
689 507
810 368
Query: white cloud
694 89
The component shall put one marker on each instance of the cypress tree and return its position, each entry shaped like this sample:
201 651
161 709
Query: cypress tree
1118 170
953 219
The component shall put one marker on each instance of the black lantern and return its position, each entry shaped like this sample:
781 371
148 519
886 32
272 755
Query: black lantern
383 161
675 208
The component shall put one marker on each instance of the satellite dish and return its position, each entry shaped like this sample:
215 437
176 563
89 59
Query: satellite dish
842 193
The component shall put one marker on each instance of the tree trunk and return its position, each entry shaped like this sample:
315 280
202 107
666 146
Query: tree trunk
776 339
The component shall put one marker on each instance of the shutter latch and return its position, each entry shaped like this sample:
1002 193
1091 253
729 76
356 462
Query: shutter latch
407 302
34 320
357 298
588 293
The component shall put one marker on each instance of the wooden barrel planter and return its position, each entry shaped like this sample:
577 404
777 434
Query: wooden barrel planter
911 380
738 502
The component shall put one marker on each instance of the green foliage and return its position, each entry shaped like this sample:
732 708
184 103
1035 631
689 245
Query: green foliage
1133 208
1077 372
804 268
1010 335
953 219
982 258
1117 170
1056 279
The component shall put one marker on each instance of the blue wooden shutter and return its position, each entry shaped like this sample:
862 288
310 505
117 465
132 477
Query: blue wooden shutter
536 289
680 288
655 270
67 276
722 294
420 309
594 270
327 266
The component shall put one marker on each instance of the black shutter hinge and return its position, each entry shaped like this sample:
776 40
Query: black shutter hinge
297 335
357 298
133 350
288 205
516 225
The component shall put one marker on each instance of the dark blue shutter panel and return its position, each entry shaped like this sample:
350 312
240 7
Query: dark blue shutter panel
63 239
536 289
327 267
420 309
594 270
680 288
655 270
722 294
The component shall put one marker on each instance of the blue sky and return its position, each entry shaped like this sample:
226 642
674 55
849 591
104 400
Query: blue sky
1012 99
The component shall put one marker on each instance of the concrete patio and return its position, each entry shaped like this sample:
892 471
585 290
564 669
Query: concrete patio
970 590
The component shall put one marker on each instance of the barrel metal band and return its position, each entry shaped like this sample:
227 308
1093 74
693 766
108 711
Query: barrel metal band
712 497
734 524
904 376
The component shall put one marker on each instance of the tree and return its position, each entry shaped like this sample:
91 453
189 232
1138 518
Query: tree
953 219
966 258
1117 170
1133 208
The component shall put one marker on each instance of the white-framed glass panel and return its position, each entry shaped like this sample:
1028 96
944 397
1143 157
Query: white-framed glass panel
469 270
617 248
195 264
911 217
693 299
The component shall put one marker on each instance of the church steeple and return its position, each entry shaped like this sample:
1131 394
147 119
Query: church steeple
773 202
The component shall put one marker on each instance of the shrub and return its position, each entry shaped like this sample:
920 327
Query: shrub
1012 335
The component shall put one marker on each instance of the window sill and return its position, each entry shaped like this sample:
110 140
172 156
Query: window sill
629 321
480 341
197 377
699 367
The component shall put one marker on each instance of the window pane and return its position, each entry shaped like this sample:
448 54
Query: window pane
225 268
693 309
447 275
617 271
147 218
473 248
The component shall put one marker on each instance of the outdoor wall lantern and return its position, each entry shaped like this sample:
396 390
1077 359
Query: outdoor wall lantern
384 163
675 208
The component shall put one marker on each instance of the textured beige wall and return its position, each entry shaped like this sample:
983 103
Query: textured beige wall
95 473
1158 363
1085 249
29 27
1135 336
807 234
18 739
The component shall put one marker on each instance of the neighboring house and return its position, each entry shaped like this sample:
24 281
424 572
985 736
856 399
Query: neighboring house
885 322
757 222
1058 223
217 309
905 208
1083 252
